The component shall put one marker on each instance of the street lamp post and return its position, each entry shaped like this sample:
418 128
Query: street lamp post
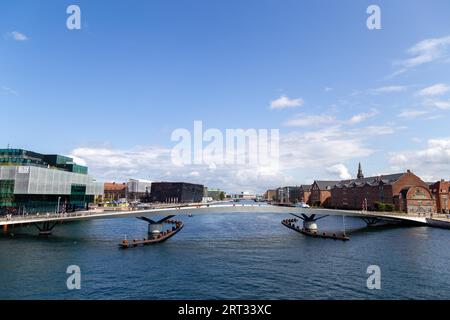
57 208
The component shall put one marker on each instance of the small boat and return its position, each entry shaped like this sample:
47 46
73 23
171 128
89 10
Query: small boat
302 205
190 215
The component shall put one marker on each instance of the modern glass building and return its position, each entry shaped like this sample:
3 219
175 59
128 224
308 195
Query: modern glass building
31 182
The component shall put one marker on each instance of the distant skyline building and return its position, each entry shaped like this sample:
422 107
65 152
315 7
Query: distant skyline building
137 189
216 194
247 195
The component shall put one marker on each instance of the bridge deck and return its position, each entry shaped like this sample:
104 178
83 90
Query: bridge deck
200 209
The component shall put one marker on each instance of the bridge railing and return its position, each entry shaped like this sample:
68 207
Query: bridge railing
48 216
98 211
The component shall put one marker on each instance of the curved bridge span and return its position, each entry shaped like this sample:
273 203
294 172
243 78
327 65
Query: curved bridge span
202 209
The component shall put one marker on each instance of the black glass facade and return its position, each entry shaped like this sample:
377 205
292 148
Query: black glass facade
176 192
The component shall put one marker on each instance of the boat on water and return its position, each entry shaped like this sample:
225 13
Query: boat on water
155 238
302 205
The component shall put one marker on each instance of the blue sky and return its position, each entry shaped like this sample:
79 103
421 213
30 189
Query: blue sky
113 92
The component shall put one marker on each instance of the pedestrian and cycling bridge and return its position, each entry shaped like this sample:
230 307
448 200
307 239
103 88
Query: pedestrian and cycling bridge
46 222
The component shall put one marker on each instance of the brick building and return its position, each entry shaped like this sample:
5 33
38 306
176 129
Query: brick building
114 191
441 191
405 191
321 192
270 195
416 200
305 193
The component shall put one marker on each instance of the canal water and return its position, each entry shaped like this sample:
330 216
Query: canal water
226 256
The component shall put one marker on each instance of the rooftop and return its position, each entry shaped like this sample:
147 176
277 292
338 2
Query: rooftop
375 180
21 157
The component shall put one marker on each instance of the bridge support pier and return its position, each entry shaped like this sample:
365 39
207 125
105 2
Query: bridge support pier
46 228
309 222
155 227
371 221
310 225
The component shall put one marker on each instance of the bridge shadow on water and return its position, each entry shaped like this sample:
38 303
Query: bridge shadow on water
381 228
356 226
67 232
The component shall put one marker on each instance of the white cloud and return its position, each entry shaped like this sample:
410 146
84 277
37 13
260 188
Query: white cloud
155 164
315 150
435 90
78 160
195 174
362 116
312 150
319 149
9 91
390 89
310 120
431 96
410 113
284 102
426 51
339 170
436 103
327 89
373 131
445 105
302 120
396 73
111 158
435 117
17 36
431 163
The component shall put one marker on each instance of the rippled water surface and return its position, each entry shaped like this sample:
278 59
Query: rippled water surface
228 256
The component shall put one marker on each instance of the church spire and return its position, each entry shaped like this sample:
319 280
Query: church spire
360 173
